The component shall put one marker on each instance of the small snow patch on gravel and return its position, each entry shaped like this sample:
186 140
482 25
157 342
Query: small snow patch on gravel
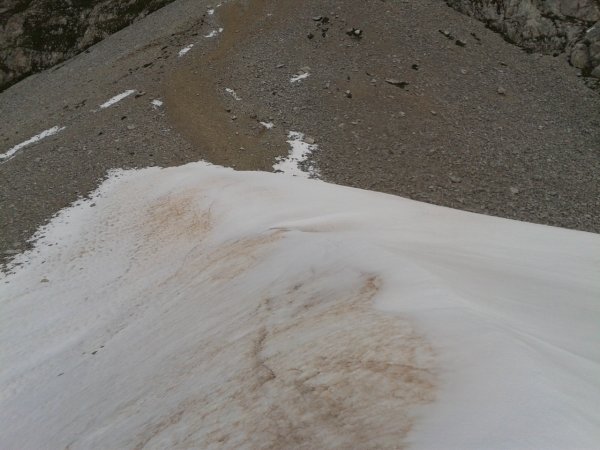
297 78
184 50
33 140
157 103
211 11
267 125
233 93
292 164
116 99
213 33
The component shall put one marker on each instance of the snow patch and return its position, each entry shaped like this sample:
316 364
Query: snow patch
294 163
184 50
117 98
38 137
267 125
211 11
299 77
157 103
194 307
213 33
233 94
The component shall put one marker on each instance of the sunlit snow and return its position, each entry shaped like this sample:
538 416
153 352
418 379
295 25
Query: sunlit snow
199 307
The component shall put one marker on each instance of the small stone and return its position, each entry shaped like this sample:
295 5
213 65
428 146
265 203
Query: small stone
433 113
348 94
415 67
455 179
501 91
354 32
514 190
317 18
280 66
580 56
310 35
396 82
309 140
464 71
44 280
131 127
460 42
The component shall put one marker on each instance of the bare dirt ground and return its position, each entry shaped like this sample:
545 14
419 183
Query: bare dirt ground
480 126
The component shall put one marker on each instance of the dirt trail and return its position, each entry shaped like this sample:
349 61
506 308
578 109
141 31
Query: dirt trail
198 102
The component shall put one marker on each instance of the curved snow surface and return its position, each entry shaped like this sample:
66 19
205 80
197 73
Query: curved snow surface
198 307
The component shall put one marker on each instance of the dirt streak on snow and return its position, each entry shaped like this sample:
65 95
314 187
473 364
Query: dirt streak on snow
198 307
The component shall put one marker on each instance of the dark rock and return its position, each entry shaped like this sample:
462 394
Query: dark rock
38 34
396 82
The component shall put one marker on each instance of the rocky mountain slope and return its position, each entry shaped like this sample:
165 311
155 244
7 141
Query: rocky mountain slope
548 26
37 34
399 108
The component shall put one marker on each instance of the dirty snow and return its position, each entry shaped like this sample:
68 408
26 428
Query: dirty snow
184 50
213 33
295 163
267 125
117 98
157 103
38 137
199 307
299 77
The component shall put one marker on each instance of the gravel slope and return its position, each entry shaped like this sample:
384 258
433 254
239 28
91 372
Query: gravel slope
483 127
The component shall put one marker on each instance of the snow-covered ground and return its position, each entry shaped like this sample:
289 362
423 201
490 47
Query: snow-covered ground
199 307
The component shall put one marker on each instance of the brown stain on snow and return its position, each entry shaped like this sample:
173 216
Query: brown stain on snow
322 370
